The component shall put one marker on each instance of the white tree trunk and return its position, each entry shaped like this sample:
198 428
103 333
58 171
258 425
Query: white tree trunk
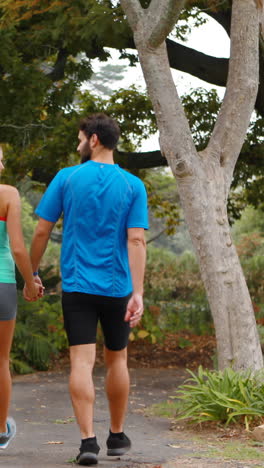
235 326
202 190
204 179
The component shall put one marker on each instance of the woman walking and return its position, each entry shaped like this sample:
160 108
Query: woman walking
12 249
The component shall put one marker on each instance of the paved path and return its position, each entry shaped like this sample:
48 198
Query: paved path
47 435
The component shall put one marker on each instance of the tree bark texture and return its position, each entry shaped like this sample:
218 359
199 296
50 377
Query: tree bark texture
204 202
204 179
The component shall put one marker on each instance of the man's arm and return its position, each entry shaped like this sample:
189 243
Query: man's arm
137 259
40 241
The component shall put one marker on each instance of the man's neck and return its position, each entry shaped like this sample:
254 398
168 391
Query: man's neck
103 156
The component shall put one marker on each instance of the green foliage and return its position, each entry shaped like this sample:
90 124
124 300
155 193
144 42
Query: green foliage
49 47
174 294
49 270
201 107
20 367
165 409
238 450
149 327
39 334
174 297
193 315
249 168
261 334
162 201
169 276
47 57
189 18
251 221
225 397
133 110
28 221
249 239
48 149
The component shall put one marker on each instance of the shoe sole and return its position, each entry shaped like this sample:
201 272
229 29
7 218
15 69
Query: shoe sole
87 458
117 452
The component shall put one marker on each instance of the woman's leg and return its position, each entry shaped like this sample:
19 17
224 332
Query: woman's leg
6 337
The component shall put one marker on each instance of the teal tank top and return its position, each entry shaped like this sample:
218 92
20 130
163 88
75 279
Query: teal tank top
7 265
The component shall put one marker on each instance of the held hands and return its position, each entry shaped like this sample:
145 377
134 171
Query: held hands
33 291
134 310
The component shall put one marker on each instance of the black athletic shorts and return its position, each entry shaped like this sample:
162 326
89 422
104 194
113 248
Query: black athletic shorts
82 311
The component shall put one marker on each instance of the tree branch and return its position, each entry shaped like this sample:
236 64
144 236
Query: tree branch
133 11
145 160
155 237
213 70
161 17
242 84
59 67
206 67
222 17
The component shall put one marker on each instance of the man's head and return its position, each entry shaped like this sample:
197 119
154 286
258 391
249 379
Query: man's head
97 129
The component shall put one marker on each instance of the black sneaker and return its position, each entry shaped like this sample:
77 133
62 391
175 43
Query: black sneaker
117 444
89 450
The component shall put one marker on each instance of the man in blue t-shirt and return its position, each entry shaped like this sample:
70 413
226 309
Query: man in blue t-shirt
102 265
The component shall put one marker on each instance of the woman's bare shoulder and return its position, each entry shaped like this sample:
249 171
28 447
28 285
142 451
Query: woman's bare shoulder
8 189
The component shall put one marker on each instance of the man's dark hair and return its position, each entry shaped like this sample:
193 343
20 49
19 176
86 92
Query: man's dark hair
104 127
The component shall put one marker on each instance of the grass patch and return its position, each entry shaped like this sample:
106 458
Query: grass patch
165 409
207 438
72 461
64 421
236 450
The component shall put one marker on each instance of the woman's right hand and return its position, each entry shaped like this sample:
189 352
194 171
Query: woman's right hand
33 291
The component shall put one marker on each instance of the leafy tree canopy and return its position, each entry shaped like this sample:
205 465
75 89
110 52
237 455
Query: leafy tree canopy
46 57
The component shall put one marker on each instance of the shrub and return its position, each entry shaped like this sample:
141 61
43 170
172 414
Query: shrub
174 296
225 397
38 335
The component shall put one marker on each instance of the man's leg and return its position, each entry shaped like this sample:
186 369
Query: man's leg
81 386
116 332
117 386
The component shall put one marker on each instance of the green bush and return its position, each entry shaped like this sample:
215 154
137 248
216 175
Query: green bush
194 316
174 296
39 334
249 240
225 397
260 329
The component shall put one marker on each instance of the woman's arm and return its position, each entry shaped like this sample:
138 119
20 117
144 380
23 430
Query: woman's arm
19 252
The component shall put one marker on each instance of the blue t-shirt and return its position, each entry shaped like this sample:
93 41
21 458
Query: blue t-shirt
99 203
